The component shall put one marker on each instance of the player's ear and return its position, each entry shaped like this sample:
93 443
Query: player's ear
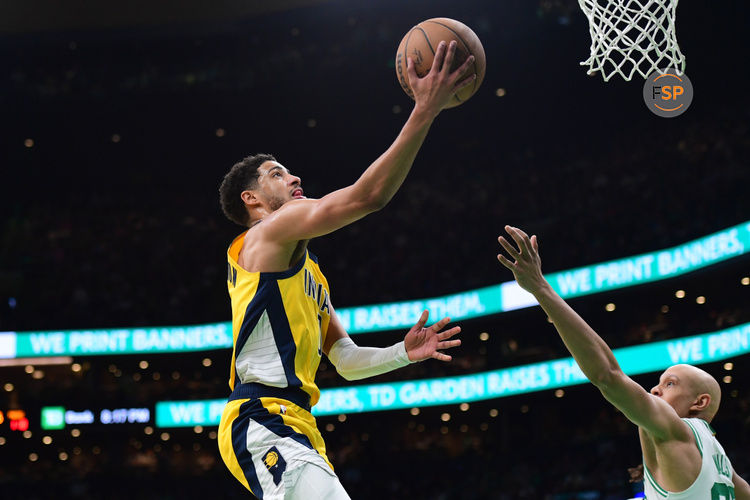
701 402
250 198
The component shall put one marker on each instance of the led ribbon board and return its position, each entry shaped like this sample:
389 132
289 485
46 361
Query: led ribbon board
621 273
729 243
119 341
634 360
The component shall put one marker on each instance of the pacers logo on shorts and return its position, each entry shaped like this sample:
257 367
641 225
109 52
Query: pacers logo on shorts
275 464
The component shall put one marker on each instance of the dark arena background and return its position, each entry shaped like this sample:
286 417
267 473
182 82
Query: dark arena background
120 119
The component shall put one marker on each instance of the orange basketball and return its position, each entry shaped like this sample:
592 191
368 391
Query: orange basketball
421 42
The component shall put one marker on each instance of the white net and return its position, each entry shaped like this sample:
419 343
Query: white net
629 36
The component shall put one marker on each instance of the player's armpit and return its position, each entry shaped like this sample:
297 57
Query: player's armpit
309 218
646 411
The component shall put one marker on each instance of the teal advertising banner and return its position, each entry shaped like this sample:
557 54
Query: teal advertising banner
634 360
729 243
118 341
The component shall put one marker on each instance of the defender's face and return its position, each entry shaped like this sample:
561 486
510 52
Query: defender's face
277 185
676 388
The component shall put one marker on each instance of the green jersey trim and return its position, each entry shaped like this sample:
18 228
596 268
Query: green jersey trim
697 438
653 482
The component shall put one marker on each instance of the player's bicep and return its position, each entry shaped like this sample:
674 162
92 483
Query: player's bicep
307 219
645 410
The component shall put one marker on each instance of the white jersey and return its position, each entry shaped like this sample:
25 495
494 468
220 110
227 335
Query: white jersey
714 482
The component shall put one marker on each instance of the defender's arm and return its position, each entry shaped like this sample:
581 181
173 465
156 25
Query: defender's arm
592 354
741 488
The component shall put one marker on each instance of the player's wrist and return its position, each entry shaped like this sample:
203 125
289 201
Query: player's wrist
541 288
424 112
403 353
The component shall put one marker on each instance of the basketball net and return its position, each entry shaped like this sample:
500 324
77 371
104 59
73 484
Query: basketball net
629 36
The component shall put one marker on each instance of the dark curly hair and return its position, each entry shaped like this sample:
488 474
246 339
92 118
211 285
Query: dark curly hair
242 176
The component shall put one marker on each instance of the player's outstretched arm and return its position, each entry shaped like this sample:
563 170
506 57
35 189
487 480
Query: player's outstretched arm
305 219
741 488
354 362
592 354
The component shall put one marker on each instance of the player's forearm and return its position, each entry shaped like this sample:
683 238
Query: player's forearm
354 362
382 179
592 354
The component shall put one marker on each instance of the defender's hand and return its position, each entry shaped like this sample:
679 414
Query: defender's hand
423 343
526 265
435 90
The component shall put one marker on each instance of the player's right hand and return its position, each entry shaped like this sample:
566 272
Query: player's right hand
435 90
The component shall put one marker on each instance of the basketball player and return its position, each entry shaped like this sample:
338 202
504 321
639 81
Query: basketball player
682 458
282 316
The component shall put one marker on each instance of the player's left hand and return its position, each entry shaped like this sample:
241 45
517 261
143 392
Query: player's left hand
424 343
526 264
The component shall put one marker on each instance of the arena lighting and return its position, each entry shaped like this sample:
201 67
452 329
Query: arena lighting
727 244
16 414
554 374
20 425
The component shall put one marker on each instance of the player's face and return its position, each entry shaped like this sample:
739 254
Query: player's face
277 185
677 389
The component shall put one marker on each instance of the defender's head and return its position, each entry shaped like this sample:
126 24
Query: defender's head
690 391
255 187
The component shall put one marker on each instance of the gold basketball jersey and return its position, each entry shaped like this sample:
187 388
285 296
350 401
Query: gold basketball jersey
279 321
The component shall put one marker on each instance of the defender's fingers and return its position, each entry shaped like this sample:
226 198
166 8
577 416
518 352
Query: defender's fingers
504 261
526 244
523 234
519 241
535 243
509 248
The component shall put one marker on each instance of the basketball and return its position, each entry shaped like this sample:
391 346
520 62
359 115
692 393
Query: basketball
421 42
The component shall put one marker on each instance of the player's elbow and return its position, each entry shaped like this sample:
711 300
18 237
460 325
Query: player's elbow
376 202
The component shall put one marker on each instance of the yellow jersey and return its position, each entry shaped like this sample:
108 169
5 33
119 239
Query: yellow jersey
279 323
